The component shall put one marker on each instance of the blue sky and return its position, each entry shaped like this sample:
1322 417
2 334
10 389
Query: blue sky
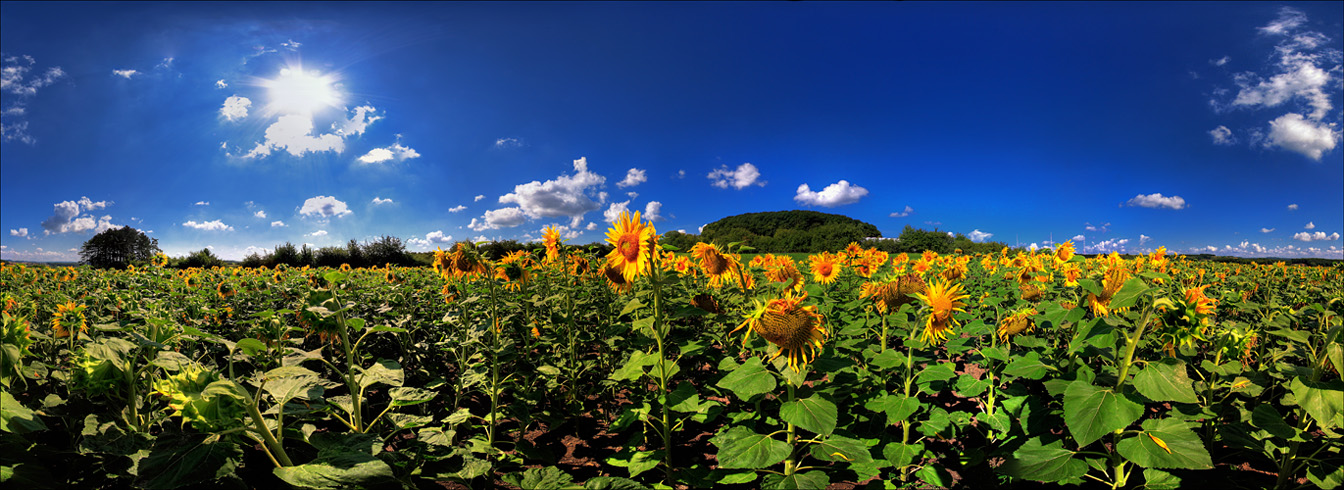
1204 127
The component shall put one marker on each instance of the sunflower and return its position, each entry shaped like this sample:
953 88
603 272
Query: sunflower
716 265
578 265
942 299
922 266
278 276
440 260
451 292
1030 292
795 329
392 277
551 237
631 241
706 302
465 261
683 265
1110 283
1017 323
225 289
1199 303
825 267
784 270
1071 275
69 318
890 295
512 270
929 255
616 279
345 267
1064 252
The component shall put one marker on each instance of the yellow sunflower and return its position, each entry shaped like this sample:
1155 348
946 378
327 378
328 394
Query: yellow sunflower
225 289
69 318
796 330
465 262
512 270
630 239
716 265
1017 323
551 237
1064 252
890 295
616 279
1110 283
825 267
942 299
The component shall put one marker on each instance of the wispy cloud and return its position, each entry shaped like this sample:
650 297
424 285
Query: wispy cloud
745 175
1157 200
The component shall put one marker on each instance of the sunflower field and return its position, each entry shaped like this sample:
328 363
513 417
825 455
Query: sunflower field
659 368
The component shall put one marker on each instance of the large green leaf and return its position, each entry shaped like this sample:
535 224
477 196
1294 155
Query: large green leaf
741 447
1091 412
897 407
1324 401
16 418
612 483
900 455
1027 366
839 448
813 413
1044 462
1155 479
406 396
333 471
1183 449
1129 293
748 379
546 478
812 480
636 462
384 371
174 462
290 382
1165 381
1266 417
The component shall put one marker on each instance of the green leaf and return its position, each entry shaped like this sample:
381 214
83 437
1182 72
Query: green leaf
1027 366
612 483
1091 412
935 476
409 421
384 371
1155 479
174 462
1326 475
405 396
546 478
748 380
1165 381
289 382
1044 462
16 418
1266 417
1129 293
812 480
897 407
636 462
901 455
1324 401
839 448
937 372
634 367
1183 448
886 360
1090 286
334 471
814 413
250 346
743 448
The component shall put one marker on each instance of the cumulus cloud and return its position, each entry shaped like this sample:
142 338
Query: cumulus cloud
430 239
361 119
127 74
1294 133
21 232
653 211
1292 207
324 206
89 204
978 236
1144 239
396 151
1311 225
1157 200
293 133
901 214
456 209
1220 61
479 197
235 108
318 233
66 217
498 218
614 211
215 225
260 214
1312 237
377 200
745 175
837 194
1108 246
221 83
591 226
278 224
1079 238
1266 230
633 177
566 195
201 203
1222 136
1289 19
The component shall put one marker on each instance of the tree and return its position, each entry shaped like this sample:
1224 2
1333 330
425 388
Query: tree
203 259
118 248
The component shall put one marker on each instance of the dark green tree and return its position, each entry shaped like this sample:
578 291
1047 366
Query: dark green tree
118 248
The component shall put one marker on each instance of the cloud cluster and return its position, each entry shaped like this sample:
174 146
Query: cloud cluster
324 207
396 151
745 175
901 214
498 218
1222 136
1315 237
66 217
15 79
633 177
235 108
978 236
215 225
1157 200
569 196
837 194
379 201
293 133
433 238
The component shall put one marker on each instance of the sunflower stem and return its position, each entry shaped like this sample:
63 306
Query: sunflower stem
790 465
662 364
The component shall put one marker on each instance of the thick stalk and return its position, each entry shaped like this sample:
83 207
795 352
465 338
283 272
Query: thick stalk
272 443
494 371
662 367
356 394
790 465
909 377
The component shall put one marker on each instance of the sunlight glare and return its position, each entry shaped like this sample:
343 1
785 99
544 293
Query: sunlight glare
298 92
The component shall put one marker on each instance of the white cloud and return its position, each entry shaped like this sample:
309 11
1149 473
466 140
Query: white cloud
260 214
633 177
1294 133
632 195
363 117
397 151
1289 19
278 224
1311 225
1222 136
201 203
1079 238
901 214
377 200
293 133
745 175
215 225
614 211
324 206
498 218
291 45
88 204
14 76
681 174
1220 61
456 209
235 108
566 195
479 197
318 233
21 232
653 211
1292 207
431 238
1157 200
221 83
66 217
1318 236
978 236
127 74
1144 239
837 194
1108 246
1266 230
591 226
508 143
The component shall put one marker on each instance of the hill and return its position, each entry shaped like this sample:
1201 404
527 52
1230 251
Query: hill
789 231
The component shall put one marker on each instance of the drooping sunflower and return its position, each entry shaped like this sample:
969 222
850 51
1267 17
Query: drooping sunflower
465 262
159 260
798 331
512 270
1017 323
716 265
616 279
942 299
225 289
891 294
69 318
551 237
391 276
784 270
631 241
1110 283
825 267
1064 252
578 265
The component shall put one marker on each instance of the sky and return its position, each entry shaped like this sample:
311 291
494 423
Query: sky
1202 127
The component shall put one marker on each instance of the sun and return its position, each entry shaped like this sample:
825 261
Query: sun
296 91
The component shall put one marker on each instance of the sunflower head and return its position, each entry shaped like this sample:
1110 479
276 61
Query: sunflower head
465 261
616 279
632 244
890 295
551 237
797 330
825 267
1064 252
1030 292
69 319
578 265
1017 323
716 265
941 299
706 302
226 289
345 267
